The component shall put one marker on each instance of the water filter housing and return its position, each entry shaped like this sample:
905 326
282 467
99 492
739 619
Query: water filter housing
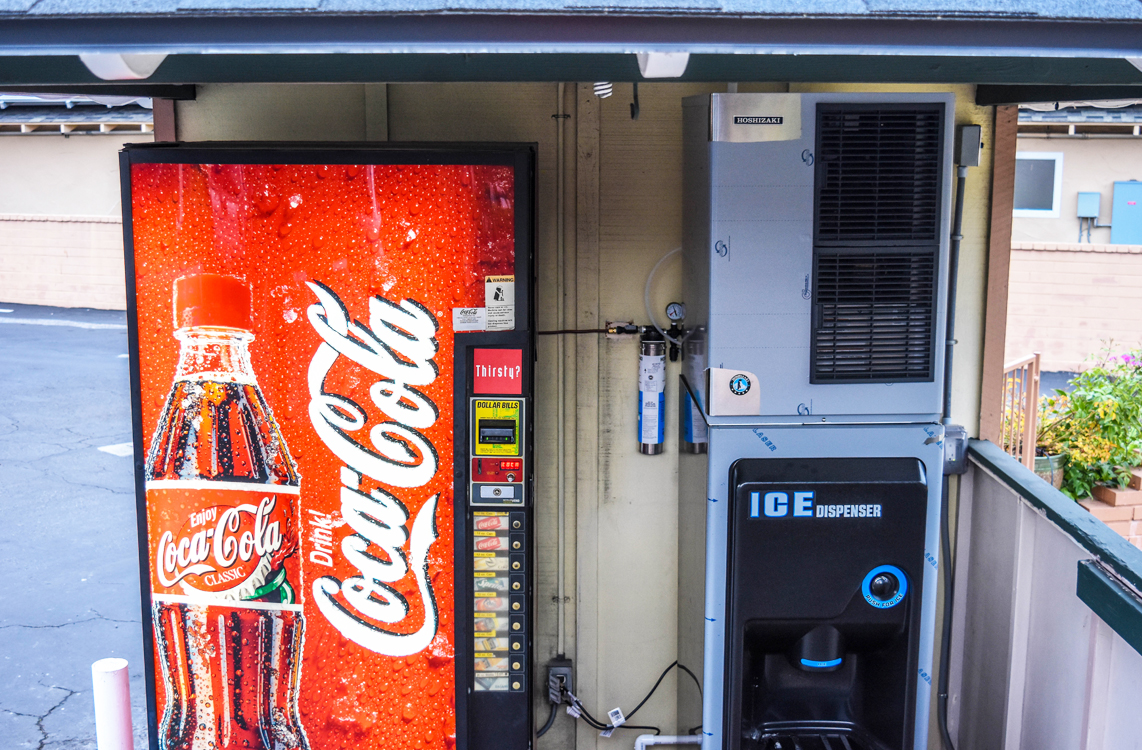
816 238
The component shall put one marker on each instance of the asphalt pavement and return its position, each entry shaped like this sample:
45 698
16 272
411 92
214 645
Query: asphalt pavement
68 545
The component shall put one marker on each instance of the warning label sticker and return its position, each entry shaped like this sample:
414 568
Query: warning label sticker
499 301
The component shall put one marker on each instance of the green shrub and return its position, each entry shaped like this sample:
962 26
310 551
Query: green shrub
1098 425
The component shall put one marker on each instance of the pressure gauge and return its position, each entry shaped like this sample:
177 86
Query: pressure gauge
676 311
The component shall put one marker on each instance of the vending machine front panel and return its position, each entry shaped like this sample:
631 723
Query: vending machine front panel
315 333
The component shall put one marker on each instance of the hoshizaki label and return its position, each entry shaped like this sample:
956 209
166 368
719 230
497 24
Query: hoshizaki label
746 120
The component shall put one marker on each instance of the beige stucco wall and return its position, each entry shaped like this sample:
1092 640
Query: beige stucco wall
1089 165
623 205
61 238
1068 299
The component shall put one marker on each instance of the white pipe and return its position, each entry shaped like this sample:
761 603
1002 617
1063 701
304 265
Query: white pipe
646 740
561 532
112 705
646 295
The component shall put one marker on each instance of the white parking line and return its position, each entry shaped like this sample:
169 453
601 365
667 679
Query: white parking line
70 323
119 449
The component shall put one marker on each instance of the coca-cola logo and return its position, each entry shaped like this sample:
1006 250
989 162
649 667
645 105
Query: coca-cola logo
220 548
399 347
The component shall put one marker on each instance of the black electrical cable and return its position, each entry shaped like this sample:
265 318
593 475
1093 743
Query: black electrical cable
585 715
550 721
591 720
686 669
661 677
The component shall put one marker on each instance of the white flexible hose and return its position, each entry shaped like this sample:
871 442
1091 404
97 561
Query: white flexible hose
646 296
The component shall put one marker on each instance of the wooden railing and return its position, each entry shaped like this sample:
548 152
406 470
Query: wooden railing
1021 409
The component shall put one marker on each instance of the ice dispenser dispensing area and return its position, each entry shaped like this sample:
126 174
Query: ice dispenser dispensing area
826 560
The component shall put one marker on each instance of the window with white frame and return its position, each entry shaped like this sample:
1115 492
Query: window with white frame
1038 184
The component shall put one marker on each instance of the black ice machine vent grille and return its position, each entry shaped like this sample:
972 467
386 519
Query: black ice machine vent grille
874 316
878 173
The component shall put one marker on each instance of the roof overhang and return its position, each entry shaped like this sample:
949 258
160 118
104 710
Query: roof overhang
580 33
1008 58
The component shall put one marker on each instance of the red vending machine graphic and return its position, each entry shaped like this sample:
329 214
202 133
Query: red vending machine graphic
314 336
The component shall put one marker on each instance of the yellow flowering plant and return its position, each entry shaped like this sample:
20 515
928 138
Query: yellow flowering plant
1098 424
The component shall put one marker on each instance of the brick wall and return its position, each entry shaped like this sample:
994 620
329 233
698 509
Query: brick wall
66 261
1066 299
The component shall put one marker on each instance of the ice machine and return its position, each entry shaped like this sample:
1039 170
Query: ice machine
816 252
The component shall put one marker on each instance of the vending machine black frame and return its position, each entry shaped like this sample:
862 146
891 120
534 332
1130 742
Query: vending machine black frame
516 727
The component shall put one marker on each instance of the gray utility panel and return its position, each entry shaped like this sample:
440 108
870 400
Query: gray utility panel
815 255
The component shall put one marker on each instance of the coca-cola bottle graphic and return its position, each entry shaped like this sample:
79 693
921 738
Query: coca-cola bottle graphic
222 493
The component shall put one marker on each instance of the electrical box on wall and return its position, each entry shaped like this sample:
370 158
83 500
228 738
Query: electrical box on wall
815 259
1089 205
1126 221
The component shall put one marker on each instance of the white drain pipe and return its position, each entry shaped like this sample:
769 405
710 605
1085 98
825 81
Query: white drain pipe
112 705
646 740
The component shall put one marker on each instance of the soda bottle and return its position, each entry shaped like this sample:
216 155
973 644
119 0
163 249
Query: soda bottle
222 493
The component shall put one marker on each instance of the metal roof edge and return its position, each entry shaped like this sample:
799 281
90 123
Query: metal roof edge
546 33
990 95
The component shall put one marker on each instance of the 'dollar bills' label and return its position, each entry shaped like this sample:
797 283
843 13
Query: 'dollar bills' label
228 541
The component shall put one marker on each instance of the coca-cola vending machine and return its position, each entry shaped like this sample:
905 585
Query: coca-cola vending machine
331 370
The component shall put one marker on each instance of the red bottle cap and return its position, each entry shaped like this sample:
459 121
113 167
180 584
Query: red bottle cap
212 300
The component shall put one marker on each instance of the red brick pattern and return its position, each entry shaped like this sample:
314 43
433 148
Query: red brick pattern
1120 508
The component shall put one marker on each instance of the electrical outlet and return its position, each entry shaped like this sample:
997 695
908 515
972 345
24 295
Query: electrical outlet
559 679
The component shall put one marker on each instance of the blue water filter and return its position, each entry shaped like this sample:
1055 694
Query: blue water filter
694 434
651 393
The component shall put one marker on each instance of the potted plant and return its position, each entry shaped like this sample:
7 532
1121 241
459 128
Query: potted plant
1097 425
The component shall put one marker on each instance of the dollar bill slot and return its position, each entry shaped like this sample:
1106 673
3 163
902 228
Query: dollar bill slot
497 432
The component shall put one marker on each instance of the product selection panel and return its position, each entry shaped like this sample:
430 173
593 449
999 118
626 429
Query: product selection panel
500 548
